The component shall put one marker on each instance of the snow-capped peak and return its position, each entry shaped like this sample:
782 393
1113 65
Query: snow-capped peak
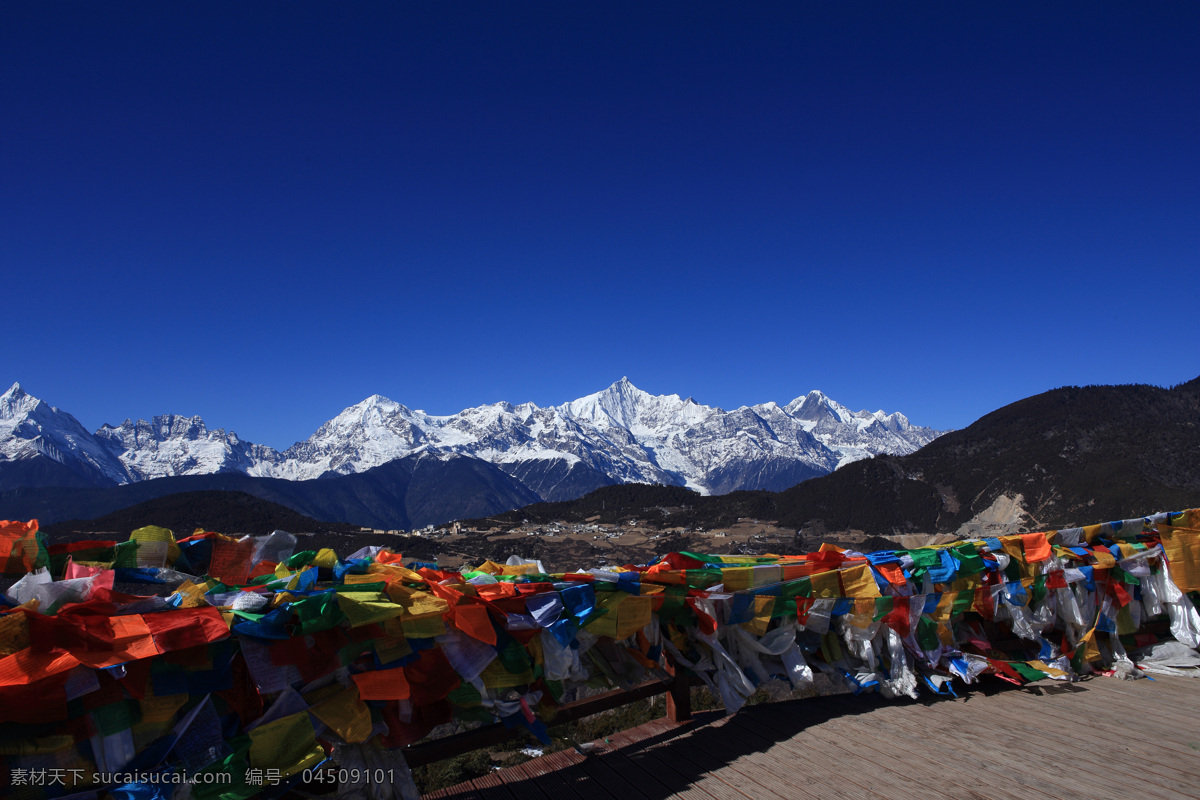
172 444
815 407
621 434
623 405
15 401
30 427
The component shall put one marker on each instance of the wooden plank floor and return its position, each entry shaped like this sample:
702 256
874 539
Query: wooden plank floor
1101 738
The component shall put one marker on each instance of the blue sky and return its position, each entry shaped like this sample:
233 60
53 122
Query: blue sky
264 212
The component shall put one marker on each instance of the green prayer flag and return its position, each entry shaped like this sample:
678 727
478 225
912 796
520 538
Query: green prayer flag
125 554
301 559
883 607
927 633
467 695
1037 592
1027 672
116 717
970 560
318 612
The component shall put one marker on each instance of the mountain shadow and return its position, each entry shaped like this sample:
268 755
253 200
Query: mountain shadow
410 492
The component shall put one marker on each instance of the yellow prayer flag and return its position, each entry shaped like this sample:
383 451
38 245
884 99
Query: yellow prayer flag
736 579
191 595
944 607
1016 553
423 626
417 602
364 608
156 546
519 569
627 614
395 572
826 584
1046 668
967 584
1091 650
763 606
1183 551
346 714
146 732
287 744
392 648
634 615
946 635
325 558
859 581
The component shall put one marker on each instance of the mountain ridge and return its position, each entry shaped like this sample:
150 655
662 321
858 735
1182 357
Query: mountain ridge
618 435
1065 457
1070 456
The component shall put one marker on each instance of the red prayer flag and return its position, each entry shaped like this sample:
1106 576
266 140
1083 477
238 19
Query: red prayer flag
1037 547
383 684
230 562
186 627
707 624
898 619
892 573
430 677
473 619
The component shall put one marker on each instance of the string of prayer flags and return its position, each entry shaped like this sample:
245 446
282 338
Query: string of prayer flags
256 660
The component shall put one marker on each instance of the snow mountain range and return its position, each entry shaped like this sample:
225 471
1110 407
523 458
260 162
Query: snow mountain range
619 435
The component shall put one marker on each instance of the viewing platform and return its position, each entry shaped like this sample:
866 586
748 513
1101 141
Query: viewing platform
1098 738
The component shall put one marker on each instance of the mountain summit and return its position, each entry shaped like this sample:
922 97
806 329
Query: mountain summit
43 446
619 435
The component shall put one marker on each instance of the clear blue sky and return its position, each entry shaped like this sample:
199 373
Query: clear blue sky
264 212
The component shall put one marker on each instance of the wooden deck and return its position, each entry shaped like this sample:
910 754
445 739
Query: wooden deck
1101 738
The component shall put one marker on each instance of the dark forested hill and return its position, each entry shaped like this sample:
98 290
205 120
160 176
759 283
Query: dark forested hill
227 512
1070 456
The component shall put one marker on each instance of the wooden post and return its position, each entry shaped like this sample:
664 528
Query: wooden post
679 697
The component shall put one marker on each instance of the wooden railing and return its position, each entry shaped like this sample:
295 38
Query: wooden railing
677 688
